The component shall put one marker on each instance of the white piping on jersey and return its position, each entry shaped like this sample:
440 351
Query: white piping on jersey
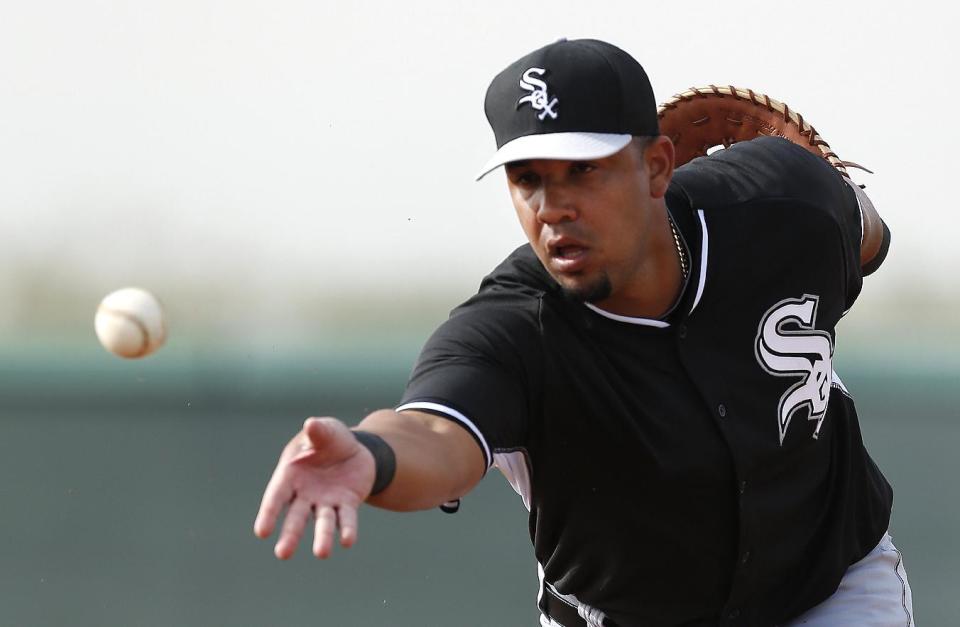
857 190
703 260
591 615
860 207
837 383
514 467
660 324
628 319
544 621
453 413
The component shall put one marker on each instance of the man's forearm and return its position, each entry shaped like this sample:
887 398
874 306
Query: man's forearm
436 459
872 239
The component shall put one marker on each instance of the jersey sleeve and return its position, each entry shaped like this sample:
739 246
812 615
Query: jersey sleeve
847 212
778 171
481 369
863 201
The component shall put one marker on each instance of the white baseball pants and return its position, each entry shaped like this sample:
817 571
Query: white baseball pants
874 592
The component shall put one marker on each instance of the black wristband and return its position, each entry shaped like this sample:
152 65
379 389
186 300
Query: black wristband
383 456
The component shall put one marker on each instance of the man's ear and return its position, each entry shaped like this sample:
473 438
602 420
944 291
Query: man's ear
659 159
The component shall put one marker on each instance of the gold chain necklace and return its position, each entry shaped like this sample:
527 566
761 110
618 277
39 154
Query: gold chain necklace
684 264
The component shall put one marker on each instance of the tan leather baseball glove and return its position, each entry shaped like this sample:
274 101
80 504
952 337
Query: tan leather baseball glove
703 117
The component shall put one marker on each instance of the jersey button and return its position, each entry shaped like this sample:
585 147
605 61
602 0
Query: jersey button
682 331
745 558
743 487
722 410
733 615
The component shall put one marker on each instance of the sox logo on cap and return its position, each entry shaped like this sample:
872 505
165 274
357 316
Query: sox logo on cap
607 100
538 98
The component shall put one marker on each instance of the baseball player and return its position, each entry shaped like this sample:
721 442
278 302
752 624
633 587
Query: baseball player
652 373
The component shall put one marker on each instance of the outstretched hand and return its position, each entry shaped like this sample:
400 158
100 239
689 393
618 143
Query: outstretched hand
323 473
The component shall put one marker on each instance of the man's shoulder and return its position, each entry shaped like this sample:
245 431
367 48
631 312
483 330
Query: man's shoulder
503 317
770 169
513 290
520 274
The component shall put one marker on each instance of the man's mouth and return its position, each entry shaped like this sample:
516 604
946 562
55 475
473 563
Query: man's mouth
570 252
568 256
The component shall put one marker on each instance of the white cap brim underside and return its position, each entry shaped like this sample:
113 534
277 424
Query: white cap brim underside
567 146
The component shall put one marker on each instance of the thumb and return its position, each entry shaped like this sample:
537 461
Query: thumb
318 431
327 439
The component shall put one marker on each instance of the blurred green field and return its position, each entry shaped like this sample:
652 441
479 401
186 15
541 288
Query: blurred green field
129 491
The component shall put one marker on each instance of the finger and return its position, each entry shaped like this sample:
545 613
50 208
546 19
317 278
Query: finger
315 437
276 495
318 432
292 530
323 532
347 517
324 440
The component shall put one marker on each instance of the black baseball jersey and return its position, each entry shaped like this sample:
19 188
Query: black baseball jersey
706 468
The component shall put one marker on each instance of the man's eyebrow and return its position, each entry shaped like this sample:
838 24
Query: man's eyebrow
518 164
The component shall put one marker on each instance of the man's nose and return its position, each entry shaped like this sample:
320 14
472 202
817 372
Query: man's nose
556 205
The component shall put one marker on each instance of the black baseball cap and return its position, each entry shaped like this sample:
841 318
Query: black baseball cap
573 99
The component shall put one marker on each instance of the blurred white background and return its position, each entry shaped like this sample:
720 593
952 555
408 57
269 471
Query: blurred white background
268 167
294 179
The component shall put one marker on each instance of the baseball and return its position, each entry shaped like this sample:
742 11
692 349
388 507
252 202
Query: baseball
130 323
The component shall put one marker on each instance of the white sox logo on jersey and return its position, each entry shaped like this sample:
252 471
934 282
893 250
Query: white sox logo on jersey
538 98
789 345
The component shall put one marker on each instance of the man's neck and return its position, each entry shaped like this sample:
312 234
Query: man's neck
658 283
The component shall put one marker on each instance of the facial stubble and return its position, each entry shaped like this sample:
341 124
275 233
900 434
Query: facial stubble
592 292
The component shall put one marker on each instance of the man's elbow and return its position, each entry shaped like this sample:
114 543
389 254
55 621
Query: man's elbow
875 235
872 259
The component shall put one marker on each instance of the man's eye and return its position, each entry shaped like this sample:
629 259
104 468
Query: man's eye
525 179
581 167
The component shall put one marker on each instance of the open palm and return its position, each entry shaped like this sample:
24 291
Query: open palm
323 473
